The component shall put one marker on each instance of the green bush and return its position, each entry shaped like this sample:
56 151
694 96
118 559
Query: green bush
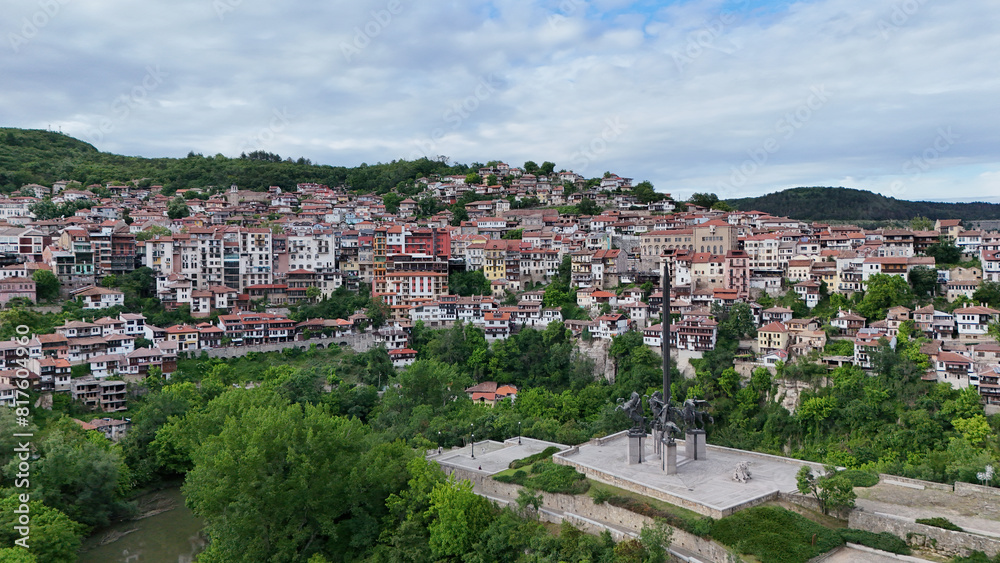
601 496
976 557
883 540
775 535
859 478
940 522
544 454
698 526
518 477
552 478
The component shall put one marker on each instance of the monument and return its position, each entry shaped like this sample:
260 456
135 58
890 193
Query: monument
666 417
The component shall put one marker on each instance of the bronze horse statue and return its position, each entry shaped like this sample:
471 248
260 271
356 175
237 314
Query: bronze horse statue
633 408
692 416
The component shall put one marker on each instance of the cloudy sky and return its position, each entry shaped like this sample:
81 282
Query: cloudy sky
738 98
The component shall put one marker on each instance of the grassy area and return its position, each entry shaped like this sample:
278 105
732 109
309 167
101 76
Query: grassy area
658 504
774 534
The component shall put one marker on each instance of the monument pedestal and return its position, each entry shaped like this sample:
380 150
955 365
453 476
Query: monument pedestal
636 445
694 444
669 457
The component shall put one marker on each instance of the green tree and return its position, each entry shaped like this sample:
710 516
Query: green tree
546 168
391 202
644 192
152 231
703 200
459 517
473 179
178 208
921 224
944 252
513 234
53 537
883 291
82 475
588 207
530 167
833 490
989 293
924 281
283 483
46 284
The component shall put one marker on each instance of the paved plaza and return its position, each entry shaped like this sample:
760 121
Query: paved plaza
705 486
493 457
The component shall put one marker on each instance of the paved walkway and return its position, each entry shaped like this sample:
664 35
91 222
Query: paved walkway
979 515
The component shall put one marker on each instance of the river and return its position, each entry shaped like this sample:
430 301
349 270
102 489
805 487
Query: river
170 534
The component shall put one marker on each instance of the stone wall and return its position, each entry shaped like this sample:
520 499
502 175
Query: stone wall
913 483
971 490
939 540
581 511
812 504
358 342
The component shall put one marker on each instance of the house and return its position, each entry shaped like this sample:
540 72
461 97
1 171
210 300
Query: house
973 322
113 429
848 322
956 369
771 337
100 297
497 325
489 393
776 315
611 325
809 292
16 288
866 342
402 357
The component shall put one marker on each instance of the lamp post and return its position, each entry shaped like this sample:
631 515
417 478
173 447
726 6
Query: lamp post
518 432
471 427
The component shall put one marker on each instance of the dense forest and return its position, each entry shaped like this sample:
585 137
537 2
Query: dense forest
44 157
845 204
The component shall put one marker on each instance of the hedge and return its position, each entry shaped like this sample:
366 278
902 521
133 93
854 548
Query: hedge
775 535
859 478
544 454
940 522
882 540
549 477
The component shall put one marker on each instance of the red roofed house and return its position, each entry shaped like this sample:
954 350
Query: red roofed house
489 393
402 357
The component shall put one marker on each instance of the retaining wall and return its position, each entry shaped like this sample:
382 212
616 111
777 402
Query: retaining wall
970 489
581 511
945 542
358 342
885 478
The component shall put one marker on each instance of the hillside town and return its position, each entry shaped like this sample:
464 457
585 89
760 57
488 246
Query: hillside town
232 262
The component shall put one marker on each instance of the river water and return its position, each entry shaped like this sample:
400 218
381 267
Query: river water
171 534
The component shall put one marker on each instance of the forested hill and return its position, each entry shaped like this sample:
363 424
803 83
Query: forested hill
845 204
43 157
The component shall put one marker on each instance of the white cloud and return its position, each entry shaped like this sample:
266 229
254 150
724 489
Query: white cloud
699 89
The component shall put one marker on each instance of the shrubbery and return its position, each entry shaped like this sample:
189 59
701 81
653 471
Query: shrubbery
883 540
697 526
775 534
859 478
549 477
940 522
779 535
544 454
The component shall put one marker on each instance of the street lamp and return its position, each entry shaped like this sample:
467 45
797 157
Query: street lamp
473 446
518 432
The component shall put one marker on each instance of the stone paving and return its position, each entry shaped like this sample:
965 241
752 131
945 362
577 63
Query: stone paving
705 483
493 457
